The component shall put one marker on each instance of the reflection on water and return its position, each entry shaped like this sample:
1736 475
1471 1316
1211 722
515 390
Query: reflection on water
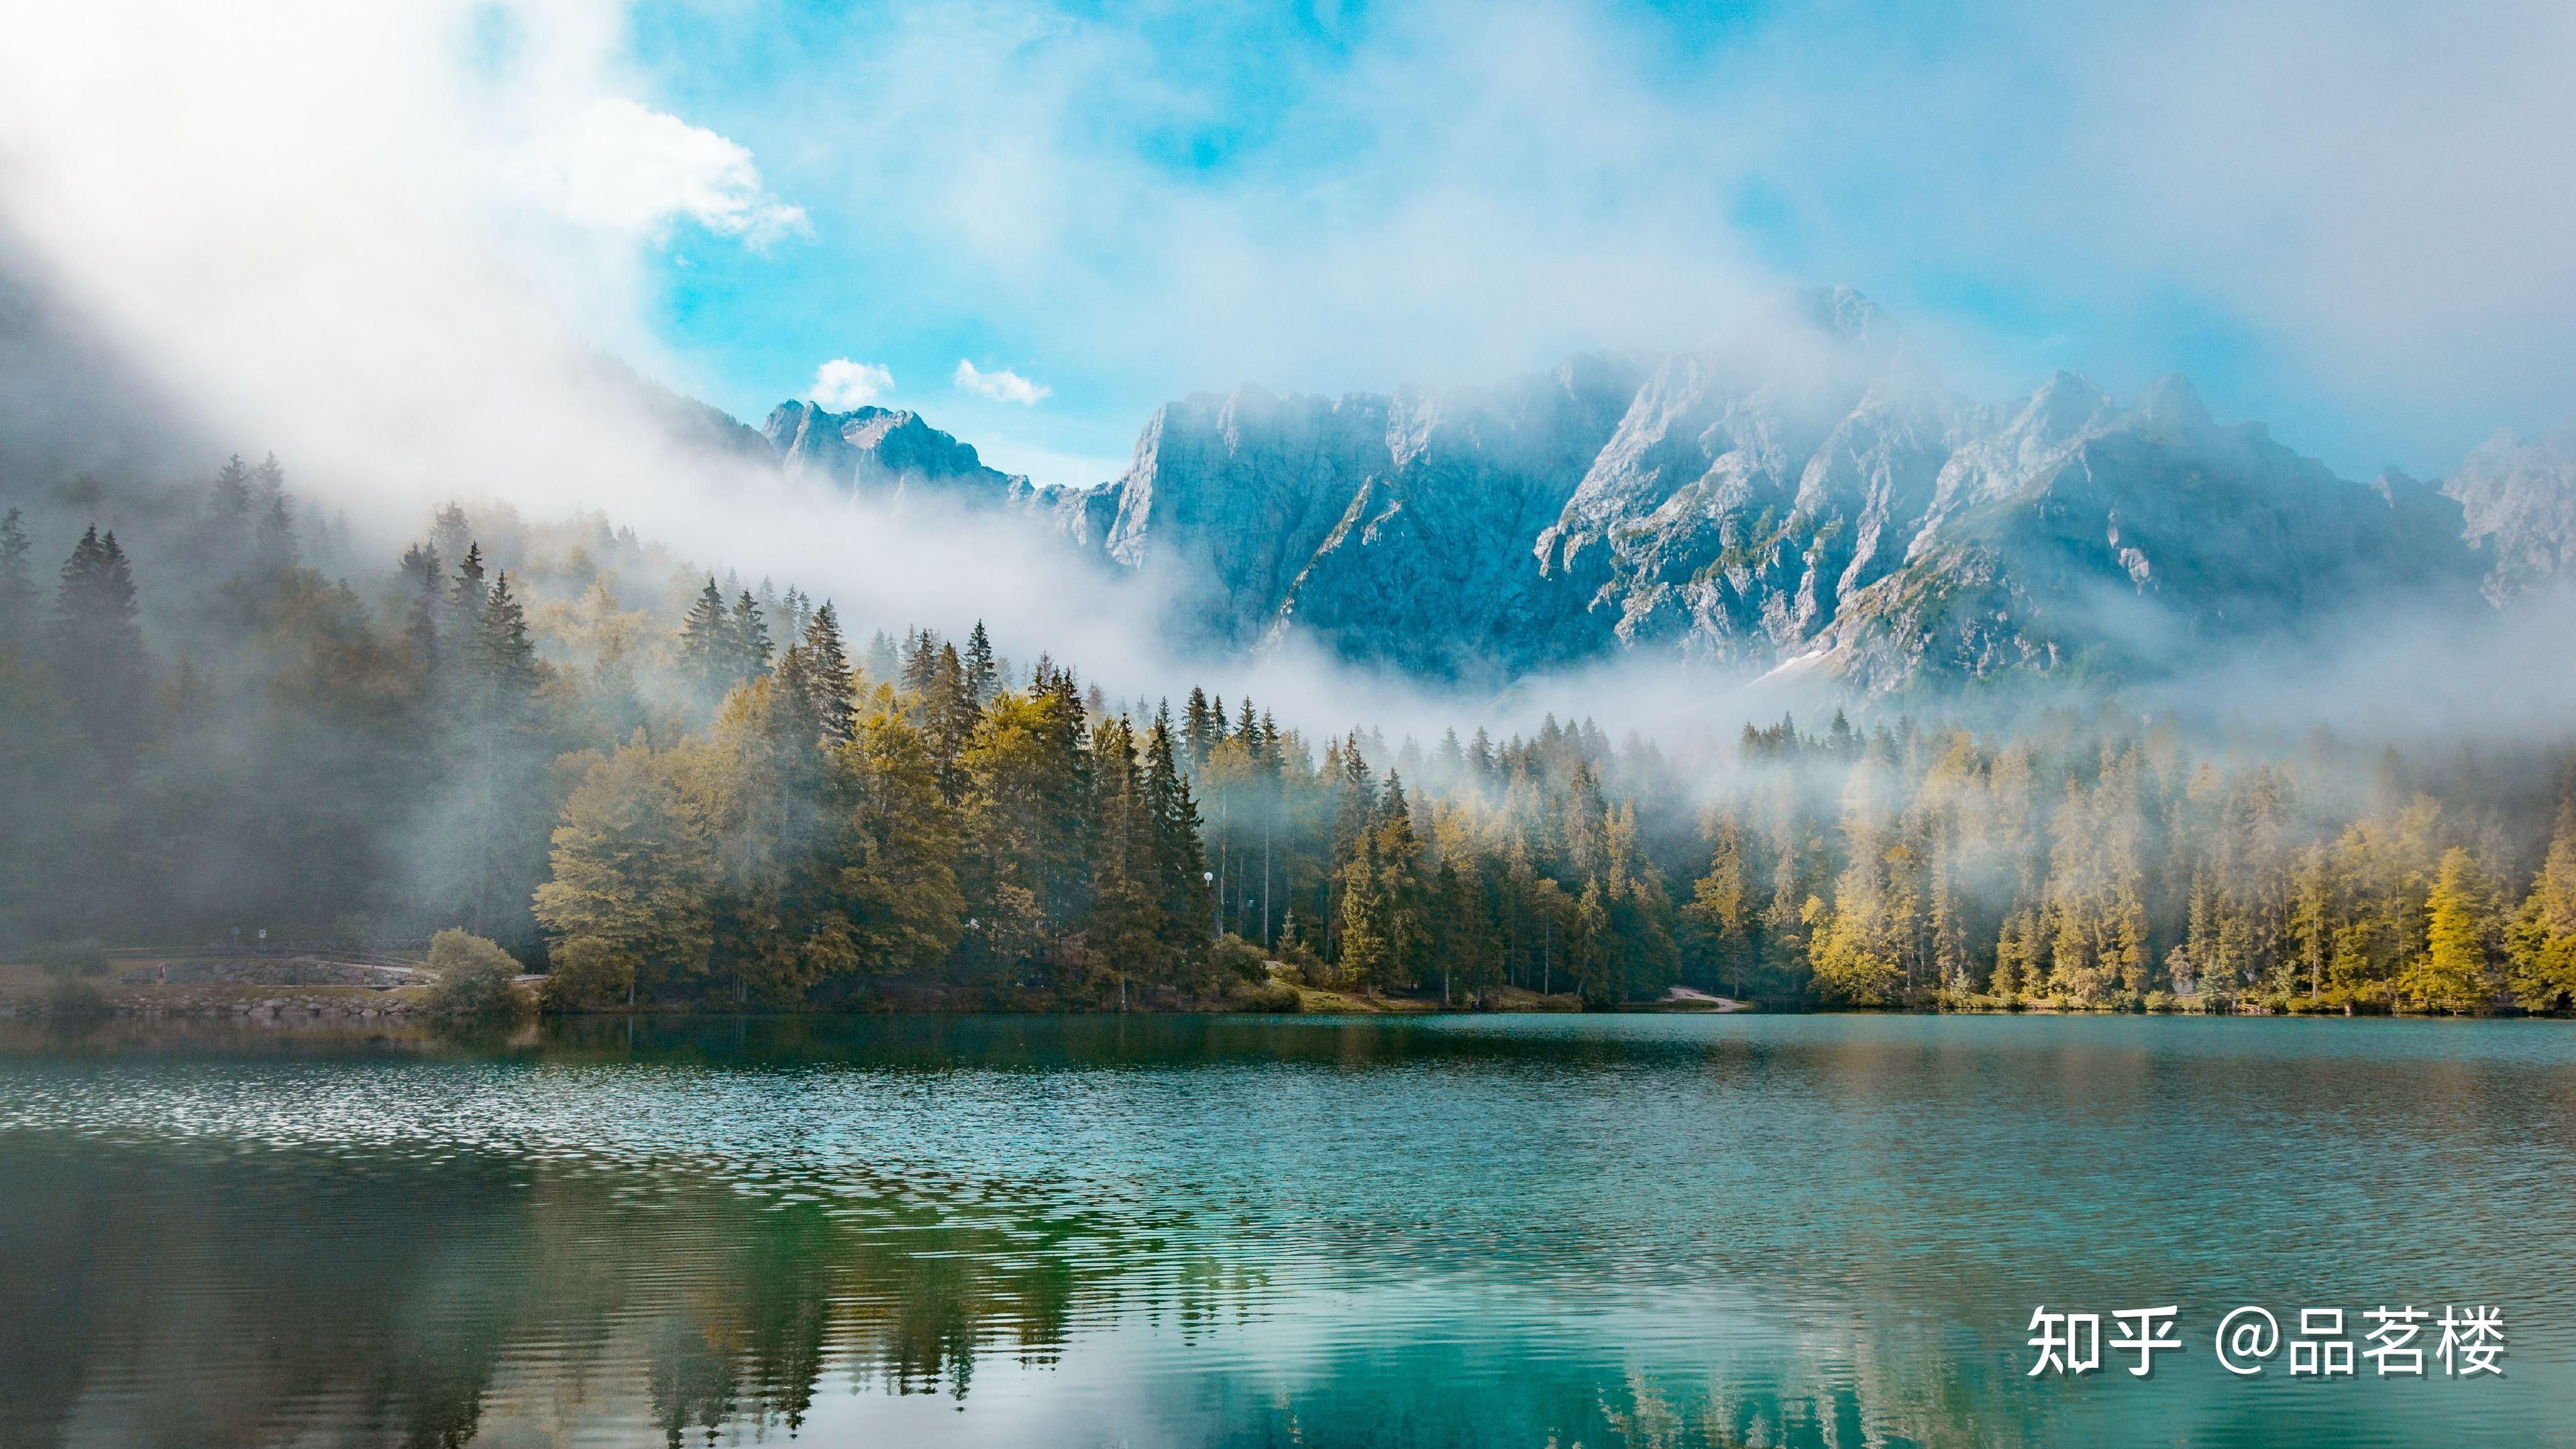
1634 1230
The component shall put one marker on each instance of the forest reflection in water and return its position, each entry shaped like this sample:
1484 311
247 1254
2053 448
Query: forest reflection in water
1091 1231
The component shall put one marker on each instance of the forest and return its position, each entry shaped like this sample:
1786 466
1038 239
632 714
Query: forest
664 789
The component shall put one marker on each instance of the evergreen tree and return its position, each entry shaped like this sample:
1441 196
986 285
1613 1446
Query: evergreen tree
829 683
490 837
98 648
749 638
450 535
983 676
1179 862
273 550
1126 934
706 647
420 569
900 881
1721 907
465 597
2543 933
17 580
2456 971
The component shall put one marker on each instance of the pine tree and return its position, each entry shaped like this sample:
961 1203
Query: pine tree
983 676
1196 735
1721 907
2455 973
827 674
491 838
921 672
17 579
1188 905
2543 934
1589 952
1126 934
420 621
98 648
465 597
748 638
507 658
274 548
705 648
232 515
901 882
449 532
231 500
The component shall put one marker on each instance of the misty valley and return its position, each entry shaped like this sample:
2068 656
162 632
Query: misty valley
579 757
1560 724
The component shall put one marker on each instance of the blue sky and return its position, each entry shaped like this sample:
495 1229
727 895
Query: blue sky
2347 220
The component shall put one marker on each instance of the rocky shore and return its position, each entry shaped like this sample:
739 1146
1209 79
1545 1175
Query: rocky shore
258 989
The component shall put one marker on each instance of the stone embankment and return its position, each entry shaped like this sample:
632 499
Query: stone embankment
258 989
270 971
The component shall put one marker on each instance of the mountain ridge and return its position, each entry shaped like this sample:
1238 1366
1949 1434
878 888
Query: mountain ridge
1812 498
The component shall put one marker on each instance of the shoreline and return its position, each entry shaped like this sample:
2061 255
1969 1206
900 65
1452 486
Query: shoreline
226 988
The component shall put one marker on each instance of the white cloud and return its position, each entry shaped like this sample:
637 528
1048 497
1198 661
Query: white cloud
623 168
842 384
1001 384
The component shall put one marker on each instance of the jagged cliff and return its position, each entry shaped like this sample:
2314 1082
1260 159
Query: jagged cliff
2520 499
873 450
1812 499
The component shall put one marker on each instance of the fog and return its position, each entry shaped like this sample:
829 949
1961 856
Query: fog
392 243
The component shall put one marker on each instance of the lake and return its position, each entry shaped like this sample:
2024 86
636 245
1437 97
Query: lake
1144 1231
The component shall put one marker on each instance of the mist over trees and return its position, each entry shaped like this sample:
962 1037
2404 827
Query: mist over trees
668 788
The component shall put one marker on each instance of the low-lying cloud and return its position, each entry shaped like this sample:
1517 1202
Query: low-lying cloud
841 384
1001 385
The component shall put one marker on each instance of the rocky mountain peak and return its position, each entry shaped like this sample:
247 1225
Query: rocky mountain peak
872 450
2519 498
1805 493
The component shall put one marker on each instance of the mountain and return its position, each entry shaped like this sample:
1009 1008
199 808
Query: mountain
2520 500
884 451
1808 498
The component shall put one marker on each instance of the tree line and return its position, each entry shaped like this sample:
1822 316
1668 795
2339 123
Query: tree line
666 791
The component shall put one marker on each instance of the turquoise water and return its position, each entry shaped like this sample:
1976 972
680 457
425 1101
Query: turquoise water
1543 1231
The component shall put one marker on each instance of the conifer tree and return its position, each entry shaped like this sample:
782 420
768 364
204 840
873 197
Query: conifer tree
749 638
921 674
231 500
232 518
705 649
420 570
983 676
2543 934
465 596
829 682
1126 934
507 659
901 878
98 647
273 548
17 579
1188 905
492 835
449 532
2455 972
949 717
1196 735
